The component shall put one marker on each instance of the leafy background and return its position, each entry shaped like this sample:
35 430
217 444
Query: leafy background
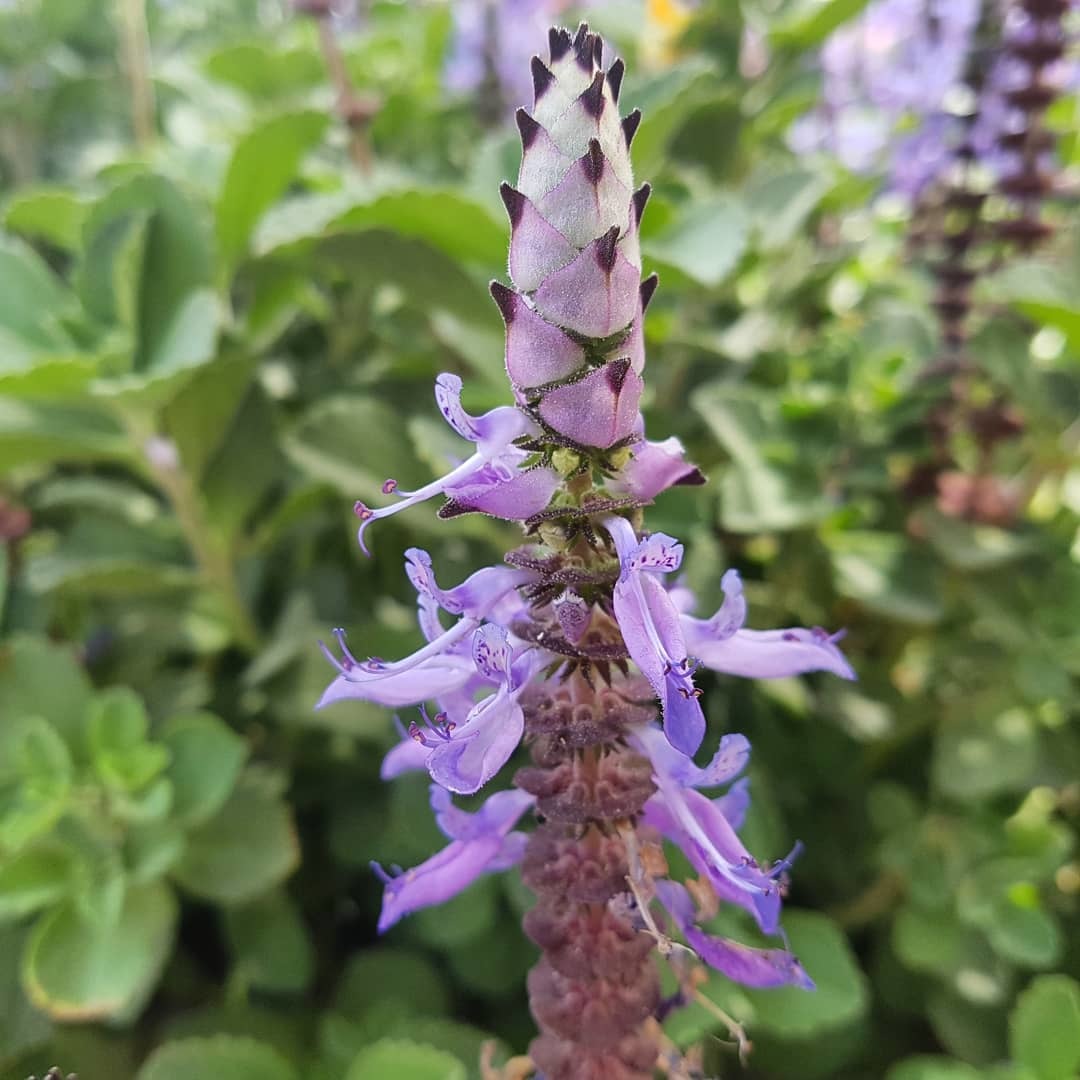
218 329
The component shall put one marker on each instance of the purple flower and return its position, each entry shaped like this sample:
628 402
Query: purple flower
762 968
466 756
888 77
700 827
661 638
721 643
467 741
492 480
650 627
480 843
654 467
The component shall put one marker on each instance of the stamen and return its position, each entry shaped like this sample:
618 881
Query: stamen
389 486
380 873
362 511
782 866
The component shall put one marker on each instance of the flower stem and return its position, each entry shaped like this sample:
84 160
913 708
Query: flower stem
135 58
210 551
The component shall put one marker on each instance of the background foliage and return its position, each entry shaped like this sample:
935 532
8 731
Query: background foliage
215 337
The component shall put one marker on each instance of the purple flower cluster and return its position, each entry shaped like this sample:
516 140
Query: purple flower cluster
893 70
588 609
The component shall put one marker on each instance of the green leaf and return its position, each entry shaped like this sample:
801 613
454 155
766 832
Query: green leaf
32 432
34 879
53 214
972 547
22 1027
404 1061
38 677
75 970
205 757
354 443
1044 1028
446 219
812 21
151 850
117 727
987 755
382 974
757 497
264 163
265 70
198 416
971 1030
887 576
665 101
779 203
462 919
151 293
1045 292
927 1067
340 1040
35 779
187 339
246 466
271 945
248 847
101 555
933 942
705 241
1029 936
219 1056
430 280
32 301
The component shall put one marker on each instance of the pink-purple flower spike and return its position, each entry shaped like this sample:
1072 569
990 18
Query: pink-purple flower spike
582 645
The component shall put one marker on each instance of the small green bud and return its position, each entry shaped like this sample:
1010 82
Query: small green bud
565 461
554 536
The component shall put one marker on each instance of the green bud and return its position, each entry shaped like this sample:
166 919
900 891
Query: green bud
554 536
565 461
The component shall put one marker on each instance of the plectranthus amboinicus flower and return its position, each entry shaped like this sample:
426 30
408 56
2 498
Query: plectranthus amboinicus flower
891 81
583 645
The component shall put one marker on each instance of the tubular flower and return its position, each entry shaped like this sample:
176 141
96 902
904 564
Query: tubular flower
580 643
480 843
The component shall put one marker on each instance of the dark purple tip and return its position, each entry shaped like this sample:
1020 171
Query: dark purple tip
504 297
592 98
598 49
614 78
584 52
605 249
640 198
528 128
514 202
616 373
630 126
648 287
694 478
581 34
558 42
592 163
541 77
